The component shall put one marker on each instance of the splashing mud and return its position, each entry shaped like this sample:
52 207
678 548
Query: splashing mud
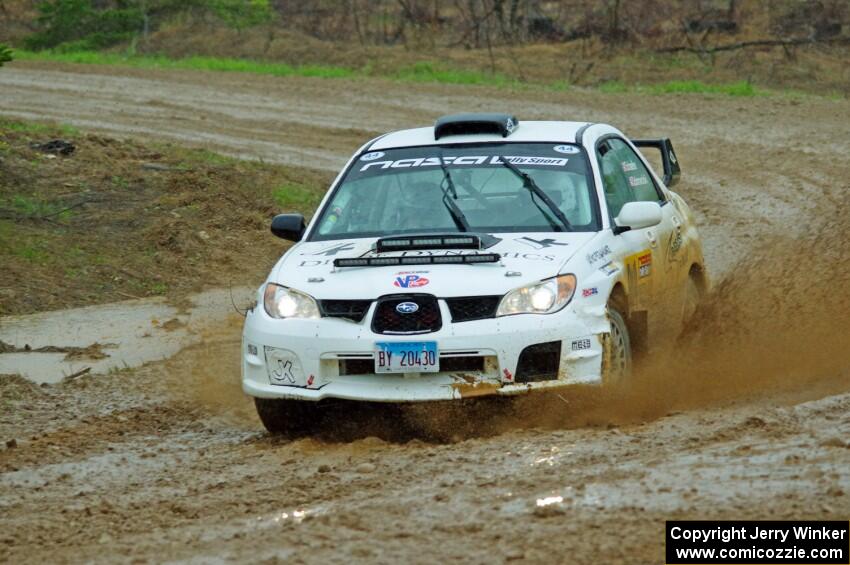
773 326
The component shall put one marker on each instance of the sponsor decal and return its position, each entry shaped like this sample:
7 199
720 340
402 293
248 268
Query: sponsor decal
410 281
635 182
539 243
672 157
372 156
568 149
508 375
510 125
644 262
609 268
675 242
310 380
528 256
407 308
628 166
467 160
252 349
589 292
333 250
598 255
580 344
283 372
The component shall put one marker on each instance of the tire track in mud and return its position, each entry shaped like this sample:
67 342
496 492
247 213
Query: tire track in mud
746 418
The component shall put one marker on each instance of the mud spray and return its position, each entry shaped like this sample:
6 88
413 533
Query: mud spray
776 327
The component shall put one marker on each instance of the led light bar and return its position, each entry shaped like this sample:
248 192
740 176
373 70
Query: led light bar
408 243
426 260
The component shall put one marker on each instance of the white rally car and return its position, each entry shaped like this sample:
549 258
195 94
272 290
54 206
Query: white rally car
481 256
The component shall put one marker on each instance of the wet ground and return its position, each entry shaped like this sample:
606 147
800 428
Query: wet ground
749 419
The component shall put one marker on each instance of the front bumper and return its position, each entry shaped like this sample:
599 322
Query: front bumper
302 359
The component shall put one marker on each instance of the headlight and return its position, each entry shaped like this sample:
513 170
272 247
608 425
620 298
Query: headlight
544 297
282 302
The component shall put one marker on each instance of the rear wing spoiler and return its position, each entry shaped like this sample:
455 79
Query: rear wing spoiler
672 171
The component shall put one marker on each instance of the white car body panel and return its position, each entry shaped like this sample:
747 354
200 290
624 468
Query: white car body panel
301 358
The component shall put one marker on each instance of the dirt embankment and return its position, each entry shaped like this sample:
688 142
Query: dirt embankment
748 418
88 219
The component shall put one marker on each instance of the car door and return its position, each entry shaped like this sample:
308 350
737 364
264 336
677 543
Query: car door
626 178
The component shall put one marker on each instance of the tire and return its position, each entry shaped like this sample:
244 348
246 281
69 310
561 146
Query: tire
286 416
617 352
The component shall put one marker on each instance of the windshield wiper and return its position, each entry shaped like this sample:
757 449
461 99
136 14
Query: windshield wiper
535 190
448 187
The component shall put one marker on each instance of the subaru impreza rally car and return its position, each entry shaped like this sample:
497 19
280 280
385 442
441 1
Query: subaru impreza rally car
481 256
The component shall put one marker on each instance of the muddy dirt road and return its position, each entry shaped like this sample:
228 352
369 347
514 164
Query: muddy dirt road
750 418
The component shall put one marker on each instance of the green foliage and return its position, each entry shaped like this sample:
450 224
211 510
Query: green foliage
77 24
241 14
5 54
80 25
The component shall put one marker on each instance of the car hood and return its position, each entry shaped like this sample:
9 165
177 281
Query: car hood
528 257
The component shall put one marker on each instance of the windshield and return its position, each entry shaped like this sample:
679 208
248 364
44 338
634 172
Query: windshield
408 190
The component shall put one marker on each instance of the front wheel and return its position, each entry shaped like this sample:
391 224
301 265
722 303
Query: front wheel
617 352
281 416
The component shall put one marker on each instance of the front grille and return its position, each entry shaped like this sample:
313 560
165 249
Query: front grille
455 364
387 320
539 362
353 310
470 308
356 366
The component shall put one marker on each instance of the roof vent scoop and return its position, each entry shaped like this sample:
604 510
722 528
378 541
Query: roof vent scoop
468 124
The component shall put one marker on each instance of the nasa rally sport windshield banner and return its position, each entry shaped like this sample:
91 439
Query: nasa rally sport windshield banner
544 156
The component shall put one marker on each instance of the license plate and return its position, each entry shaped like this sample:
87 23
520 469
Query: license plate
406 357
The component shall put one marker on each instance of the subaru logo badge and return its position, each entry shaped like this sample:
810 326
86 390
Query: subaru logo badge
407 308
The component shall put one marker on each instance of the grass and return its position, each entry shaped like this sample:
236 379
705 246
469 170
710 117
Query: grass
36 128
188 63
423 71
36 208
740 88
292 196
28 249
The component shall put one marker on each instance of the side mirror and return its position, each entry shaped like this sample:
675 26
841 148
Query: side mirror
669 161
289 226
638 215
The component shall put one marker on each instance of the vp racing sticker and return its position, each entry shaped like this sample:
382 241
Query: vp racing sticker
409 280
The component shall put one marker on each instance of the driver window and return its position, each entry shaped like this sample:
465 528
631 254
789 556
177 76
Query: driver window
624 176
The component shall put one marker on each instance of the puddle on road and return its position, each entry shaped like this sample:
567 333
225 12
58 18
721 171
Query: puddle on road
141 331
